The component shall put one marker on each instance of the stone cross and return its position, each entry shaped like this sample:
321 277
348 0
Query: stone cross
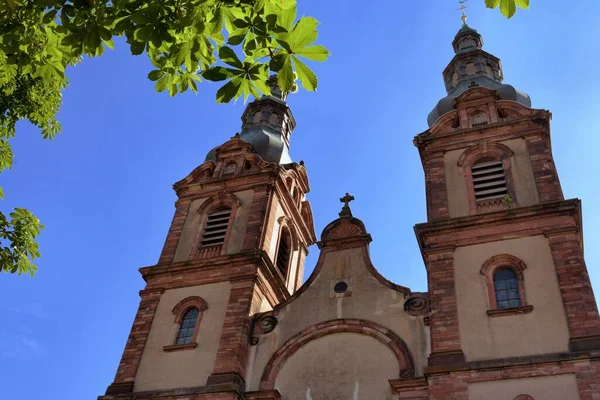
346 209
347 199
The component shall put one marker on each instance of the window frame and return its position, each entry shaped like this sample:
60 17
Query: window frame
179 312
209 206
493 265
486 151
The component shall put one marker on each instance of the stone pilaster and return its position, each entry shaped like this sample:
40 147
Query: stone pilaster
576 290
132 354
445 334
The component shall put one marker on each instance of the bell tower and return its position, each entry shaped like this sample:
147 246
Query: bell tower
508 285
236 246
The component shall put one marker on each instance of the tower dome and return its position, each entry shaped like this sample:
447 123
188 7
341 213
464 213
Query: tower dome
267 124
472 67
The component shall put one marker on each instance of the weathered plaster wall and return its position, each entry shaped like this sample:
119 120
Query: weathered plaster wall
559 387
190 231
271 251
185 368
342 366
238 229
521 173
369 300
274 241
483 337
458 198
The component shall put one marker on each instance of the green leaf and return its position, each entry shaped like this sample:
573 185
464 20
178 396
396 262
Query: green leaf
50 71
92 39
183 55
218 73
49 17
306 76
315 53
110 44
194 86
184 83
304 33
228 56
161 84
262 86
155 75
137 48
144 33
508 8
104 33
172 88
99 50
245 89
278 60
237 37
253 91
522 3
286 18
492 3
285 77
141 18
229 90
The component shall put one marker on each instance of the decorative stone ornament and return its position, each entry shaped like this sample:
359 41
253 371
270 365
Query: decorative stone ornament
416 304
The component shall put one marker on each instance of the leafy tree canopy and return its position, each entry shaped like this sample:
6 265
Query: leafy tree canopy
239 42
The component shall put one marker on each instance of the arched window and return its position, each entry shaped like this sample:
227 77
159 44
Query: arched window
188 314
486 167
216 227
284 249
524 397
185 335
505 279
257 117
506 289
489 180
274 119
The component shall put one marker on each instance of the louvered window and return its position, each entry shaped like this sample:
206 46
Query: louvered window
489 180
283 253
216 228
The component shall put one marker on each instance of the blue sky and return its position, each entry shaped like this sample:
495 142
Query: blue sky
103 187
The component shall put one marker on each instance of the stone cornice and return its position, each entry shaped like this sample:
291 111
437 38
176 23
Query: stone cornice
539 219
458 138
513 362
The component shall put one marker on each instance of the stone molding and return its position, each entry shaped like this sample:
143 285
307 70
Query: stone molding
372 329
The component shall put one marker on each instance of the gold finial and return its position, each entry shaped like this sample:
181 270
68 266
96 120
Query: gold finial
462 8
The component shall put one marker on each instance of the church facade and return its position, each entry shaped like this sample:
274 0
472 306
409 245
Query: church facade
509 313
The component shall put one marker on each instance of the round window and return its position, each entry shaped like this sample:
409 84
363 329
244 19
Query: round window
340 287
